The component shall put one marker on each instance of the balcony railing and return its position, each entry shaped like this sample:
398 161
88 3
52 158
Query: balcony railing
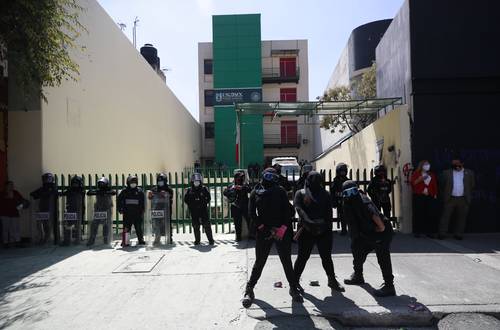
276 75
279 141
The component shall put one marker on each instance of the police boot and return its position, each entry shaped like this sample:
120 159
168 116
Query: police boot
355 279
387 290
294 292
248 297
334 284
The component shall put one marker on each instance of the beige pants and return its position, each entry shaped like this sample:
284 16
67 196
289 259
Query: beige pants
11 229
459 207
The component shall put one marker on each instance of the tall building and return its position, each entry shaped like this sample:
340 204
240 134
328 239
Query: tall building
237 66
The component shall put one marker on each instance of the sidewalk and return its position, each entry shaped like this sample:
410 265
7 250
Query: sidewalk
188 287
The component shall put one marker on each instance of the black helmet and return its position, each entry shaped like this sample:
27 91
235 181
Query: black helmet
380 169
132 179
197 177
349 189
48 178
341 167
314 182
307 168
103 183
161 177
76 181
277 168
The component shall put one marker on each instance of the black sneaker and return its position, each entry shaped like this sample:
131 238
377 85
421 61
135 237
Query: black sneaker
196 242
212 242
334 284
248 297
296 297
355 279
387 290
141 243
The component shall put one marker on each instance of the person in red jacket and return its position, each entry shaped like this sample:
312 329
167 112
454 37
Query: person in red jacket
11 202
425 189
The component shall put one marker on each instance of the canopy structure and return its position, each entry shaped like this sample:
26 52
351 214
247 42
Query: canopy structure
335 108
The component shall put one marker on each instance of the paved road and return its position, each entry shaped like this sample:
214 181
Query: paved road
188 287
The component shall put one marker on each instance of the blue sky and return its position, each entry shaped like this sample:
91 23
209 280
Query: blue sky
176 26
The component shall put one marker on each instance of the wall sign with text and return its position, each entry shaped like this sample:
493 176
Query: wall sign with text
237 95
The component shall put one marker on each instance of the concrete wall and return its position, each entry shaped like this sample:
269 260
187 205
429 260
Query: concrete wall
360 152
118 117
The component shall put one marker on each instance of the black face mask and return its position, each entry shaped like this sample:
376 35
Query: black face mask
457 167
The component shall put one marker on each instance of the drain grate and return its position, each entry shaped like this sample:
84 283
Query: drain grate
139 264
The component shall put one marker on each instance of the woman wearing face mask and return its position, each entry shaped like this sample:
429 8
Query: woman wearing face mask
424 186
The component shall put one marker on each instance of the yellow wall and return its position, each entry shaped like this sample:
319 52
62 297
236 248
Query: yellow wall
359 152
119 117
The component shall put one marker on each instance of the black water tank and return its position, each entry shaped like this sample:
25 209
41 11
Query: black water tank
151 55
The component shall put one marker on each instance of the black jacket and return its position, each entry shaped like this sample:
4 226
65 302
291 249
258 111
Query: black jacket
336 190
238 197
359 211
75 200
197 198
379 191
131 202
315 214
48 198
269 207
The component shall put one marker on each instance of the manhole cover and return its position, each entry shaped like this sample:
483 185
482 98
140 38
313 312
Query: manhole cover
139 264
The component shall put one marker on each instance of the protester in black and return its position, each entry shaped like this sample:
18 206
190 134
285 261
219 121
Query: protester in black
270 211
197 198
369 231
315 227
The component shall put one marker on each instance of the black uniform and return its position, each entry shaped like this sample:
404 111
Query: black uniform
131 205
379 190
47 196
197 200
75 203
269 208
358 211
103 203
315 226
237 194
336 195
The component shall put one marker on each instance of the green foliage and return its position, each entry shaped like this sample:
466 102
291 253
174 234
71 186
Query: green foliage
367 87
335 123
39 35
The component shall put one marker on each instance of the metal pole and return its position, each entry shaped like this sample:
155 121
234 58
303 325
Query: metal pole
134 37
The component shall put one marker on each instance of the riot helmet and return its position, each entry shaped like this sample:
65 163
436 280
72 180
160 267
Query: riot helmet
196 180
132 181
103 183
380 170
48 179
341 169
76 182
161 180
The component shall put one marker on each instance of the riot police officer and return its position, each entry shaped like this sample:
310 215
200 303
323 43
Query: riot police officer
270 212
157 195
75 203
47 203
131 205
313 204
369 231
197 198
336 194
379 189
237 194
103 204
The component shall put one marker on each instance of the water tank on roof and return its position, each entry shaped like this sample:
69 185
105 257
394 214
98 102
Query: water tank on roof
150 53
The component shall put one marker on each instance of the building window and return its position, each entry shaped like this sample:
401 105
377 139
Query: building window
288 94
209 130
288 67
209 97
207 66
289 132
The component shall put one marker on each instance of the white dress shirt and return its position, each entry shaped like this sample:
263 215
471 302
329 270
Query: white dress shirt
458 183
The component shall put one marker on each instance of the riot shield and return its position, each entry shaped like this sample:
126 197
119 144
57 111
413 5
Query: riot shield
99 219
157 221
71 215
43 220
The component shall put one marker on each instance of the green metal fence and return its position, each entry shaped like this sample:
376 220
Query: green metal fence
214 179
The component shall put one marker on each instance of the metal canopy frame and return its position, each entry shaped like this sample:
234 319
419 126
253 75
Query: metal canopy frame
318 108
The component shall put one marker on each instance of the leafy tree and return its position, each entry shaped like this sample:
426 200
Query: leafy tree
335 123
367 87
38 35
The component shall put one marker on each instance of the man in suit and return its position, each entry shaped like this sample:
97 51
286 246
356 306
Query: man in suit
457 185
